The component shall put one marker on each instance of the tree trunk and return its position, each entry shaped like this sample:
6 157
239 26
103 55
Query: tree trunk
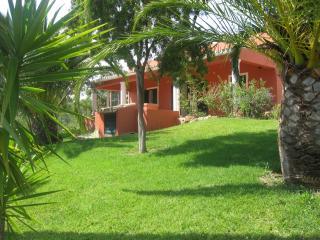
235 75
235 72
140 103
299 133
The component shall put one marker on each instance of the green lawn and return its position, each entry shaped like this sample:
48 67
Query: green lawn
198 181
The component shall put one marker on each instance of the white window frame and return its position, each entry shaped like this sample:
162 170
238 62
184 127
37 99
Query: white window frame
175 98
119 98
241 74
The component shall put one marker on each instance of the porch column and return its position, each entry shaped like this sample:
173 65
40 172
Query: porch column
176 98
123 93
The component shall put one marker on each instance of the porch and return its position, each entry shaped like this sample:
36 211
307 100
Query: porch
116 111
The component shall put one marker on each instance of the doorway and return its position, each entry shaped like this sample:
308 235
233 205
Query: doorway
110 123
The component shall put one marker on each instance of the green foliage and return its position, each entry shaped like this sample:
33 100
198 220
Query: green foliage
186 64
219 98
236 100
291 29
192 86
275 112
119 15
181 61
16 199
254 100
71 121
31 48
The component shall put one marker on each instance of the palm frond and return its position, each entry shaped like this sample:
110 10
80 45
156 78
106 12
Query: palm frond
33 52
292 26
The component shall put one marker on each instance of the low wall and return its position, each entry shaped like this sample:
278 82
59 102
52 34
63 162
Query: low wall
154 118
158 119
127 120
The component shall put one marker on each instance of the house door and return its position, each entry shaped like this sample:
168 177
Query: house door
110 123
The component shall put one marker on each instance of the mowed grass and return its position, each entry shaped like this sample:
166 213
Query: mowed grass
198 181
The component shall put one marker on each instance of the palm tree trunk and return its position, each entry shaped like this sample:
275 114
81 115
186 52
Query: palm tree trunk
140 103
235 72
299 133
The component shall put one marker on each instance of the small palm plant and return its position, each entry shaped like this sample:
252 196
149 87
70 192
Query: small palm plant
288 31
30 47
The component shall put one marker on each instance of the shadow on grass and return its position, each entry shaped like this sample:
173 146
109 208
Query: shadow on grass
74 148
221 190
147 236
243 148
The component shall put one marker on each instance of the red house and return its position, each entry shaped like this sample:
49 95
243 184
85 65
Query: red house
162 108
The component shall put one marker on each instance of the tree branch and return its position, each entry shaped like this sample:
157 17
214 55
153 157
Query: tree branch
148 51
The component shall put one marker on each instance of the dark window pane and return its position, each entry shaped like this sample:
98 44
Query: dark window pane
243 80
151 96
146 96
115 98
154 96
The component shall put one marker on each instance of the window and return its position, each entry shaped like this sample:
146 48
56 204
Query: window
151 96
115 98
243 79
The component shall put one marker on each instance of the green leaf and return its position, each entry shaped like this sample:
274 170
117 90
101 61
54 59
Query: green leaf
32 89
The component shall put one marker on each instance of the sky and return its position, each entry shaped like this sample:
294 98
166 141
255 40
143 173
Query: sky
66 5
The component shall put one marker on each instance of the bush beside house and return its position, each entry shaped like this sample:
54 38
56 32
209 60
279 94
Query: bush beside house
251 101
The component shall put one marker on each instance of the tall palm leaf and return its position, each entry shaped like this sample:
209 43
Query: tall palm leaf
29 48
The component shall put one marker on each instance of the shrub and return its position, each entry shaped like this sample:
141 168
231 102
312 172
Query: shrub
275 112
252 101
192 90
219 98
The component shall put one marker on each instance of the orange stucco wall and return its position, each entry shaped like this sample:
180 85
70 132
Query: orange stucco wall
253 57
158 119
127 120
99 123
218 71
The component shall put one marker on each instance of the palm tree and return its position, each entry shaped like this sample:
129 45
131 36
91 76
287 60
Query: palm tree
30 47
234 57
288 31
